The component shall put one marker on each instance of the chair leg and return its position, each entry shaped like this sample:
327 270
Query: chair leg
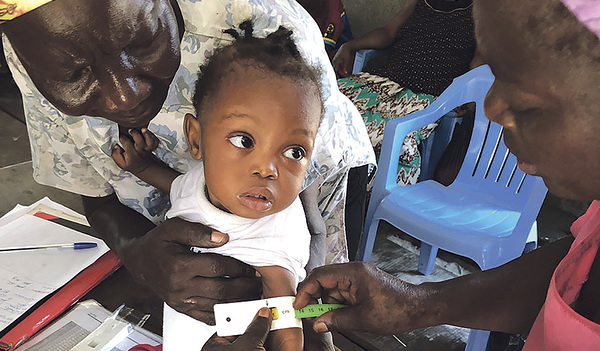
368 241
532 242
478 340
427 258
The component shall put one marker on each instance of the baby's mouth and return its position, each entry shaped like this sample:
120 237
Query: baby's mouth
256 200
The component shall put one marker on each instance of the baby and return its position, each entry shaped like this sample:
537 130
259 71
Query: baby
258 107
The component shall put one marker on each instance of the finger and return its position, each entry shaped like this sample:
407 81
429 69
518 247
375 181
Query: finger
194 234
347 318
207 317
257 331
215 340
309 289
127 144
150 139
222 289
117 155
138 140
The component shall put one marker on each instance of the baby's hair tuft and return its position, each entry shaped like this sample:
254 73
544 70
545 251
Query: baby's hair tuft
276 53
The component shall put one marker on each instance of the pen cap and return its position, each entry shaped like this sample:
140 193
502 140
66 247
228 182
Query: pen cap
81 246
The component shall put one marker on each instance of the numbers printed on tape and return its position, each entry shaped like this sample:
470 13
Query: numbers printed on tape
316 310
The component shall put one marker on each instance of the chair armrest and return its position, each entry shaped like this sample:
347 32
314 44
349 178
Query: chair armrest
363 56
461 91
395 132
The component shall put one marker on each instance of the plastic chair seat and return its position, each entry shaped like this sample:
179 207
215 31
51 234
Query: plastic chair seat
461 213
473 228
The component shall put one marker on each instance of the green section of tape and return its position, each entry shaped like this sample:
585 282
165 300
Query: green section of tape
316 310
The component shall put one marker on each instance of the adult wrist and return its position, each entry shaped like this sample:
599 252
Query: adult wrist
426 309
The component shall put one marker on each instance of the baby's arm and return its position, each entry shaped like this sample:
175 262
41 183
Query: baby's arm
136 157
278 281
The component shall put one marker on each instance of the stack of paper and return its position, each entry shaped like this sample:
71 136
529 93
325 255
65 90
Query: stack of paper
26 277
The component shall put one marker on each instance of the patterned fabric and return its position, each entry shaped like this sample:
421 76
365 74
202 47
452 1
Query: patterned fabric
435 46
10 9
334 25
379 100
73 152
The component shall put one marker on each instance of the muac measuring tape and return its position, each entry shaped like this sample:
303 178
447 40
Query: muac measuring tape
315 310
234 318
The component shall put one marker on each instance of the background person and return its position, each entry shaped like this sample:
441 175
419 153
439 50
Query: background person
429 42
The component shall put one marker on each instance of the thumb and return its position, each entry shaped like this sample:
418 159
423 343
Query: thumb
346 318
193 234
256 333
218 239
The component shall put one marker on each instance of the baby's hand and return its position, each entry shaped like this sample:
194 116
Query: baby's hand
136 154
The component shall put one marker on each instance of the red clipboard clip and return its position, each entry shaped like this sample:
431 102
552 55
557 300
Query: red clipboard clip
10 346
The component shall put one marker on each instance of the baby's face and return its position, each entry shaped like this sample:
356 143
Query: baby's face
256 142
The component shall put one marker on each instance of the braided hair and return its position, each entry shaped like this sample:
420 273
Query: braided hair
277 53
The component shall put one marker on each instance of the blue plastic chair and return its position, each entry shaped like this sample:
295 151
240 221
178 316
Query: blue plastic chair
361 57
486 214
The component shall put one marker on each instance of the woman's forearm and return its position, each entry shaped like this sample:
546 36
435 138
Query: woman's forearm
507 298
382 37
114 222
378 38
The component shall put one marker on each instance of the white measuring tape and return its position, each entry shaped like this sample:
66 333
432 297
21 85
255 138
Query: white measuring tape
234 318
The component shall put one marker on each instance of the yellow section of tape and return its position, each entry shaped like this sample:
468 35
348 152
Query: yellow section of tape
275 313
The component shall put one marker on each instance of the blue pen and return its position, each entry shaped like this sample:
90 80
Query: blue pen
74 246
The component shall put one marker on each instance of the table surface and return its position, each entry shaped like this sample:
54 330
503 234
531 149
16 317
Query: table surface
120 288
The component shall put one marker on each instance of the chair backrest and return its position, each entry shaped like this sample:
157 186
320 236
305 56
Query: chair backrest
489 170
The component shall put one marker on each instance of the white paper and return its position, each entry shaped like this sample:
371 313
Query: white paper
86 316
28 276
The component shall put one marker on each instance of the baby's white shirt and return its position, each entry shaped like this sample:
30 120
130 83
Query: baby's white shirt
281 239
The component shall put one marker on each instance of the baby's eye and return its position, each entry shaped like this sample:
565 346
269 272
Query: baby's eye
295 153
242 141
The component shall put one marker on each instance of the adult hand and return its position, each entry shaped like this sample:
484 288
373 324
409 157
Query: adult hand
342 61
253 339
377 302
190 283
314 341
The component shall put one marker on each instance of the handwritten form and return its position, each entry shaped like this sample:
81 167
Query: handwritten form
28 276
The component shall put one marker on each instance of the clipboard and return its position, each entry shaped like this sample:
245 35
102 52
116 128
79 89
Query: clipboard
56 303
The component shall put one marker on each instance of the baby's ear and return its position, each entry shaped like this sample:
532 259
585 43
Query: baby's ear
193 135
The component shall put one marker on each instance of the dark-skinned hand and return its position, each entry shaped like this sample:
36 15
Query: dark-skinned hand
342 61
252 340
377 302
191 283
